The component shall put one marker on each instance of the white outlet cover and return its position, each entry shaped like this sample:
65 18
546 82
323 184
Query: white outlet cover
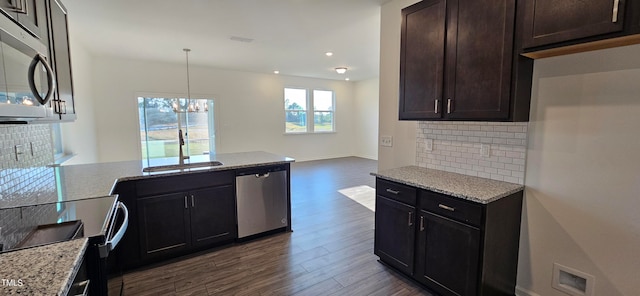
386 141
485 150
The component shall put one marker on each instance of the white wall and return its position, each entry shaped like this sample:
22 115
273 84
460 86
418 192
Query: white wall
583 172
249 108
403 151
366 118
79 137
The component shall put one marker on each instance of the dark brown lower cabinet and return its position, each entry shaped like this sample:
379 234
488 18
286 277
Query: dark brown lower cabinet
450 245
164 224
394 237
448 255
175 223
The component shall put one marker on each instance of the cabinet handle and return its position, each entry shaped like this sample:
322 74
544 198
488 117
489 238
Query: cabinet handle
393 191
421 223
193 203
616 5
410 220
448 208
449 106
186 205
436 106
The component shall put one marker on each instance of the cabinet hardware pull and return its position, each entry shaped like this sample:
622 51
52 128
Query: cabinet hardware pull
449 105
436 106
421 223
393 191
410 216
448 208
186 205
193 203
616 4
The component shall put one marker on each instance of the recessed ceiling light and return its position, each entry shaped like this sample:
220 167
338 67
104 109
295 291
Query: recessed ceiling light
341 70
276 72
328 53
241 39
347 79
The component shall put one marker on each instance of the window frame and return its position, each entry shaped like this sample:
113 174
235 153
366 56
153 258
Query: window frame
310 111
212 122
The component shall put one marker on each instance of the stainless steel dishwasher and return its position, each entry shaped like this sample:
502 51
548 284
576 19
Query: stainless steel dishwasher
261 200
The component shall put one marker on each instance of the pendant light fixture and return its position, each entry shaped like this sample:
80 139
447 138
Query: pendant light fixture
191 106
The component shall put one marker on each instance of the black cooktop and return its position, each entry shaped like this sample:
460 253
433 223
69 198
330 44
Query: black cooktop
17 224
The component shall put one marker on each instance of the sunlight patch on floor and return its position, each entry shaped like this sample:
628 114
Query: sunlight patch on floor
364 195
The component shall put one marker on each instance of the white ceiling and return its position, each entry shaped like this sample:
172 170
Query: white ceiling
291 36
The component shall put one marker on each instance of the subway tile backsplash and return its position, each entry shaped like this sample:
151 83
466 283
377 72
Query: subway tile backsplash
456 147
24 178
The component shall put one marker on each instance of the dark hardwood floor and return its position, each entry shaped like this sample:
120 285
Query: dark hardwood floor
329 252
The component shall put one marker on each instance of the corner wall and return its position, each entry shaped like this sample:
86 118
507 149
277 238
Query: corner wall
583 172
366 118
403 151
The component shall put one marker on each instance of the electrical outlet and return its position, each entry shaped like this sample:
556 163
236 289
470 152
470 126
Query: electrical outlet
429 144
485 150
386 141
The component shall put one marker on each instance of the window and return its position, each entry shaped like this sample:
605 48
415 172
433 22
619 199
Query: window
161 118
298 105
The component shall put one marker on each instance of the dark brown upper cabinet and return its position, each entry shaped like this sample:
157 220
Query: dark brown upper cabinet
30 14
459 61
63 103
553 28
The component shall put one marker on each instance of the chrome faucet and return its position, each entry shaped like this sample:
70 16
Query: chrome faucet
181 157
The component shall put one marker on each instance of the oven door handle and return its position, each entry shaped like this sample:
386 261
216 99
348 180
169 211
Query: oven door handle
110 244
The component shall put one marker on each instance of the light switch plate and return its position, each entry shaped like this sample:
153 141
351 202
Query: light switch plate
386 141
429 144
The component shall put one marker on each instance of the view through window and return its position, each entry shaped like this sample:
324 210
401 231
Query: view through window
161 118
299 104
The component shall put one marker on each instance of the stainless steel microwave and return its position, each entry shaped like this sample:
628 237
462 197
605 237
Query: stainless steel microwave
27 81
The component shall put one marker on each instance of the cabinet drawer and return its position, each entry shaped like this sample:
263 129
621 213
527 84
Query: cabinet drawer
396 191
451 207
170 184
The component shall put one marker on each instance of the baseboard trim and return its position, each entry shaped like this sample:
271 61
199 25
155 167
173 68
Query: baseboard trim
520 291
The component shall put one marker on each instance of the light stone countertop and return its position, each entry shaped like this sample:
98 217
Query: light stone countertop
45 270
93 180
476 189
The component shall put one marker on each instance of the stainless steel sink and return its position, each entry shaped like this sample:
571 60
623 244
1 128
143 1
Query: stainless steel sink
174 167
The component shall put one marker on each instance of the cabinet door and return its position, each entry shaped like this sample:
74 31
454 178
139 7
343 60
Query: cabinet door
479 59
395 233
422 60
213 214
63 103
548 21
163 225
33 18
447 255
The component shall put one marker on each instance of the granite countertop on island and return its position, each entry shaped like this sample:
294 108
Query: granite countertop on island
45 270
476 189
84 181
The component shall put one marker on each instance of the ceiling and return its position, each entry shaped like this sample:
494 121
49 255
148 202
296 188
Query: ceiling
290 36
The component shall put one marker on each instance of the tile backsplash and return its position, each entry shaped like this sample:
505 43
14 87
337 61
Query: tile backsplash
456 147
24 178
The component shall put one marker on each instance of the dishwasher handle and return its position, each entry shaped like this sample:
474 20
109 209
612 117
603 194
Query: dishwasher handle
265 175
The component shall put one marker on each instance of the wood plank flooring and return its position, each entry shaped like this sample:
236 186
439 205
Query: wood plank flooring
329 252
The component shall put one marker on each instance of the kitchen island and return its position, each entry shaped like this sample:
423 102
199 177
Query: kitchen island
208 210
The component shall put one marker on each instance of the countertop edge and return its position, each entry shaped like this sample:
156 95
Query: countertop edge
197 170
77 263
